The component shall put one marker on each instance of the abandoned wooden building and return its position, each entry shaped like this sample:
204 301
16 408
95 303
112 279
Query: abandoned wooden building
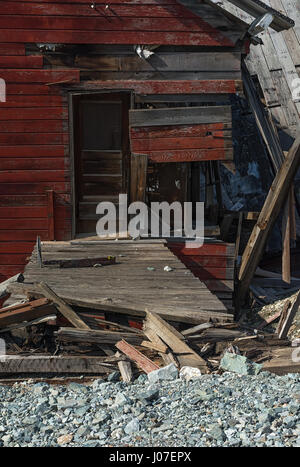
119 97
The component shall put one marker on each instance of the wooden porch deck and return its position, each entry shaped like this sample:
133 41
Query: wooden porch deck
136 282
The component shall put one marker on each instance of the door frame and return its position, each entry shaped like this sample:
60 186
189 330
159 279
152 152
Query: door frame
72 122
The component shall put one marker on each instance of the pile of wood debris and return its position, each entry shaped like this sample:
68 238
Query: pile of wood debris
46 336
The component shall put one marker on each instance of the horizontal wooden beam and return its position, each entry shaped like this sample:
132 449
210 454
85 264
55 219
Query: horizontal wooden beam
57 364
217 86
189 155
180 116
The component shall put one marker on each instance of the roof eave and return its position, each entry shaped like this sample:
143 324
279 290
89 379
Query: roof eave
257 8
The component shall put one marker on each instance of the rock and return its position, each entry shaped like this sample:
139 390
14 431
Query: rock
120 400
114 377
117 434
216 432
188 373
96 384
150 395
167 373
66 404
82 431
101 418
200 395
132 427
64 439
6 439
162 427
265 417
78 388
81 411
141 379
30 420
239 364
40 388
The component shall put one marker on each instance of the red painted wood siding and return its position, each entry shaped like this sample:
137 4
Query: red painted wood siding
212 263
181 143
131 21
34 139
34 143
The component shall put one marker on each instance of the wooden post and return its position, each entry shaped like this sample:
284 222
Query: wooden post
286 242
138 176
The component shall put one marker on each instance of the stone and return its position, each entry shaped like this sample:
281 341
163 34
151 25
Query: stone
114 377
187 373
67 403
202 395
141 379
82 431
132 427
150 395
101 418
166 373
81 411
78 388
120 400
40 388
216 432
6 439
117 433
64 439
239 364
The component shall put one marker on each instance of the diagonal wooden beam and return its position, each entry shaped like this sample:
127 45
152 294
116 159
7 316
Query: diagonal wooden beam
275 201
63 307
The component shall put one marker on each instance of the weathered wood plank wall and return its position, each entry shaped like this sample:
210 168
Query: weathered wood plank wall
34 134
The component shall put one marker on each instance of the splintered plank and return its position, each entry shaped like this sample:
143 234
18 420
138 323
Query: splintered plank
290 314
26 312
283 361
3 286
141 360
50 364
125 369
62 306
96 336
185 355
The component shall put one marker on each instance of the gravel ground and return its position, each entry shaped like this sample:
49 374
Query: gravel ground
213 410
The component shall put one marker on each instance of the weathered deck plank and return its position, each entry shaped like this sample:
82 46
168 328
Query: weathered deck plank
129 286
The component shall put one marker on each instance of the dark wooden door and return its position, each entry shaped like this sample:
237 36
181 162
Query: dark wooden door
101 154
